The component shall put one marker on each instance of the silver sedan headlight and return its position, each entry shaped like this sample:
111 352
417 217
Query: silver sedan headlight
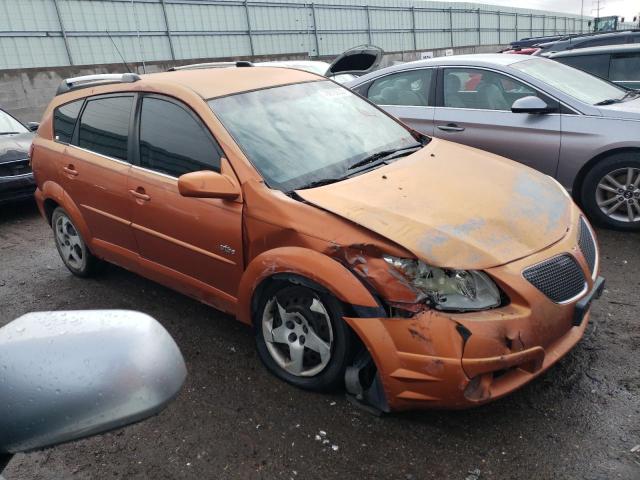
447 289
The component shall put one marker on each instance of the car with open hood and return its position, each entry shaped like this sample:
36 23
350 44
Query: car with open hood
414 271
568 124
347 66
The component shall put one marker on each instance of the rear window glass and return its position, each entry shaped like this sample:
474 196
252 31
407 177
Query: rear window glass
64 120
104 126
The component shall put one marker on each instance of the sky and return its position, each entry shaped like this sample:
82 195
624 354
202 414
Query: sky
622 8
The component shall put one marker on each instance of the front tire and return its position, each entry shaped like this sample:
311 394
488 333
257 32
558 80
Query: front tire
610 192
71 246
301 337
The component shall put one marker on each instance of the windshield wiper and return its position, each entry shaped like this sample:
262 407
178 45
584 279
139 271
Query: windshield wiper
9 133
319 183
382 154
609 101
629 94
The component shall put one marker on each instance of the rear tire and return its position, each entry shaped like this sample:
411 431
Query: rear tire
71 246
610 194
301 337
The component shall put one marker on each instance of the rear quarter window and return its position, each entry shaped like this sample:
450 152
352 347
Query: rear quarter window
64 121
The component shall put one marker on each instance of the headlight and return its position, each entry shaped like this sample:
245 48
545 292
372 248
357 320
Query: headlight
447 289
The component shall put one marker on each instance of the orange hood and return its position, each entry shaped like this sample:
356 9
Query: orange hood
454 206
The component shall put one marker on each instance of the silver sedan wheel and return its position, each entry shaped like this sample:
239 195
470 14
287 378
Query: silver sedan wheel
71 247
618 194
298 335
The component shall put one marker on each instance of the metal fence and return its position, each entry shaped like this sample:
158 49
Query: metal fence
43 33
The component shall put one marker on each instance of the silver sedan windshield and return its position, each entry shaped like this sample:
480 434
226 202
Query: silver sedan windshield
576 83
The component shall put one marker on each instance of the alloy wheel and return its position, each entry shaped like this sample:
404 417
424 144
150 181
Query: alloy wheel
298 333
618 194
71 247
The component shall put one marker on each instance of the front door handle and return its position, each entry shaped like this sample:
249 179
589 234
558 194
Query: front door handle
451 127
70 170
139 194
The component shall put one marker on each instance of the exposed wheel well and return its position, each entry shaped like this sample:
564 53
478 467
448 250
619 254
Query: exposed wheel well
579 180
292 278
49 207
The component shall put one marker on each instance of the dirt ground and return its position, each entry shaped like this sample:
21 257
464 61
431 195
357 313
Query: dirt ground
233 420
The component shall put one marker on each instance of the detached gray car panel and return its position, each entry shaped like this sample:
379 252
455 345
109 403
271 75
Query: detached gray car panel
469 98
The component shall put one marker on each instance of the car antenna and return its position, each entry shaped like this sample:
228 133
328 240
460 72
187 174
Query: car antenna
117 50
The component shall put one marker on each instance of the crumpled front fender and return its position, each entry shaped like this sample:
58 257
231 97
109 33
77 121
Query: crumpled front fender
303 262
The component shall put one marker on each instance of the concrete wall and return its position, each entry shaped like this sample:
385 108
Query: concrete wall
25 93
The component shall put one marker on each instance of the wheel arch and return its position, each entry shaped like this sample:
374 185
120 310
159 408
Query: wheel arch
302 266
53 196
578 182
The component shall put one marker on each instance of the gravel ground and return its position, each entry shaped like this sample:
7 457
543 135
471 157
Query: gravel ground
234 420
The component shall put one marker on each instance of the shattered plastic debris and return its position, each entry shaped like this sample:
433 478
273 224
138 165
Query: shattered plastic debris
635 449
321 436
473 474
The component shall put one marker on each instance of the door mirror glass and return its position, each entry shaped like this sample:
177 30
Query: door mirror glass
530 104
207 184
70 375
33 126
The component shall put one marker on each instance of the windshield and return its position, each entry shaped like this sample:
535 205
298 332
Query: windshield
576 83
8 124
298 134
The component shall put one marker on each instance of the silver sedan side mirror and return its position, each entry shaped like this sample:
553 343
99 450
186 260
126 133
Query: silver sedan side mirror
69 375
531 104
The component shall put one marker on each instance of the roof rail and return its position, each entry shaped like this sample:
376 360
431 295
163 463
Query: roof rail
196 66
91 80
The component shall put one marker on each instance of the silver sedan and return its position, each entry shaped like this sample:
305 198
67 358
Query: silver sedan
577 128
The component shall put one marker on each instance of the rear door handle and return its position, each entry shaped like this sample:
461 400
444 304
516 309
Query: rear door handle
451 127
69 169
139 193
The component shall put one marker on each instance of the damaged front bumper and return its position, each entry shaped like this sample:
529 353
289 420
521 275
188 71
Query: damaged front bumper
447 360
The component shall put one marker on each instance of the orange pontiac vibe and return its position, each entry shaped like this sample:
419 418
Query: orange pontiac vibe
413 272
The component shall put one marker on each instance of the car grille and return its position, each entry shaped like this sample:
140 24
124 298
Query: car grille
587 244
559 278
11 169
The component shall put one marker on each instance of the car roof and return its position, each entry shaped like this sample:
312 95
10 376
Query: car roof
205 82
472 60
479 59
622 48
587 36
218 82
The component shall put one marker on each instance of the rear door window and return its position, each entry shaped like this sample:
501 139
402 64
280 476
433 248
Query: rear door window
64 120
174 141
104 126
405 88
597 65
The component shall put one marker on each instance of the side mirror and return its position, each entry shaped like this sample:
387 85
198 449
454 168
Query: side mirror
207 184
70 375
33 126
531 104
